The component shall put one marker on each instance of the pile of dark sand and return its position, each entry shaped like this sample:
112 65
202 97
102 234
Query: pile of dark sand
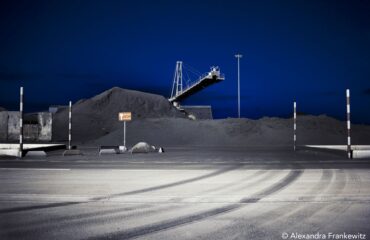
236 132
97 116
156 121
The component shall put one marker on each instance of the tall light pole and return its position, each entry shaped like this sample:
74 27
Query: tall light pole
238 56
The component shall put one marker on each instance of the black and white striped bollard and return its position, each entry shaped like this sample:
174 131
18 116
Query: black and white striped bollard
295 125
348 124
70 126
69 151
21 123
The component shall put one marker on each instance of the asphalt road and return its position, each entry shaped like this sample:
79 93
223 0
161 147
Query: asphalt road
186 193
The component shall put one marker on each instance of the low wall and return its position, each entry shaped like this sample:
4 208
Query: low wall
45 121
30 132
3 126
13 126
39 130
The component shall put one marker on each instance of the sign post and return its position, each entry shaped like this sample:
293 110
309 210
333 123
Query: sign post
124 117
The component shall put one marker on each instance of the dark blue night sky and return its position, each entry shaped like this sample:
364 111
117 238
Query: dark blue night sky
310 51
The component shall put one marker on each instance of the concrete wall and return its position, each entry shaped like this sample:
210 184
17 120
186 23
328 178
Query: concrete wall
3 126
40 131
13 125
45 122
30 132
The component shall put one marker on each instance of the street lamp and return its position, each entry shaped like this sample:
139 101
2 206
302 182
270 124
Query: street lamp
238 56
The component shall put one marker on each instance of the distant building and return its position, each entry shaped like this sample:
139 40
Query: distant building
55 108
198 112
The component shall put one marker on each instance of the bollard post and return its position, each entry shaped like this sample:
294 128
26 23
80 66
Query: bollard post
69 151
21 123
348 124
295 125
70 126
